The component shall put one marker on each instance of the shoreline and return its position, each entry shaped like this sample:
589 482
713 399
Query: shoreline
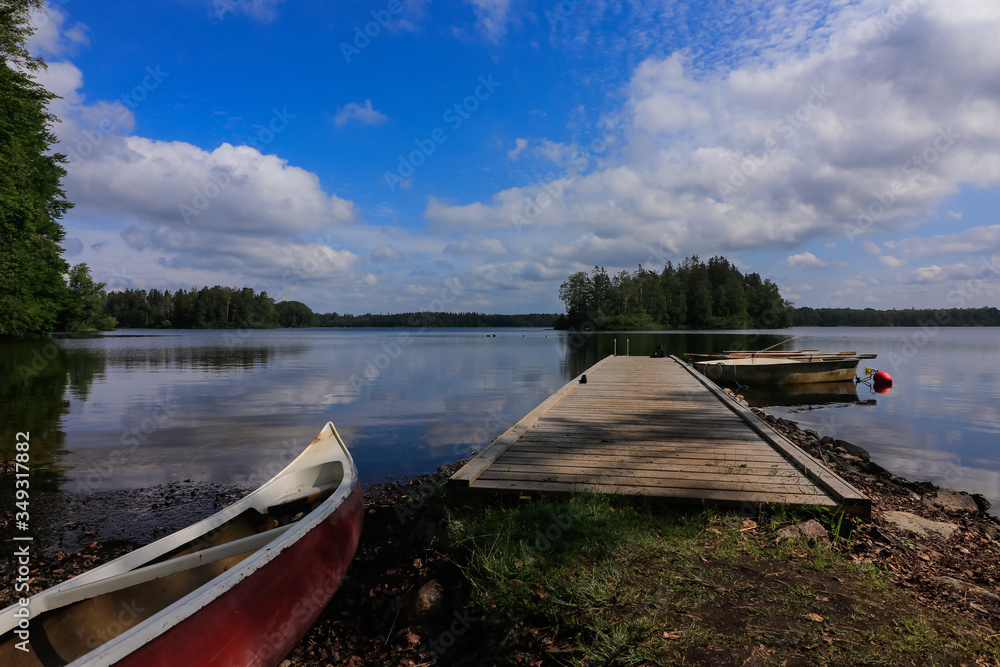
406 595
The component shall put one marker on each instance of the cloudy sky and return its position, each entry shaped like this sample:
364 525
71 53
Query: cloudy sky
410 155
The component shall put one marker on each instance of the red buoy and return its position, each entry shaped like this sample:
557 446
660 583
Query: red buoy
881 381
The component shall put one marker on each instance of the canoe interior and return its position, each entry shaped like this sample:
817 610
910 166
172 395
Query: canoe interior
69 631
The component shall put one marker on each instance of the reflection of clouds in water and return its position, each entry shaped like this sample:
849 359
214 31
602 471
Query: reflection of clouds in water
446 438
944 470
437 399
936 449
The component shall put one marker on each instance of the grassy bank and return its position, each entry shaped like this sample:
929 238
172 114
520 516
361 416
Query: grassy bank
603 580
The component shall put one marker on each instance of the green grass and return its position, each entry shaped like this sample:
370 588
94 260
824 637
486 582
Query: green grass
636 582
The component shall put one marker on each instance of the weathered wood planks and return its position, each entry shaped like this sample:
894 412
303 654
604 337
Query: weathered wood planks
653 427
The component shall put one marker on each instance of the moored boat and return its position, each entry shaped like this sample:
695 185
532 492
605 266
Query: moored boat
780 370
238 588
773 354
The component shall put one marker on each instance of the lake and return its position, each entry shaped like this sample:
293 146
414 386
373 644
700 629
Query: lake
137 408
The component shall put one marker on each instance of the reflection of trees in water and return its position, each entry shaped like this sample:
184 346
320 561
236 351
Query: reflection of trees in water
34 377
39 377
581 351
82 369
202 358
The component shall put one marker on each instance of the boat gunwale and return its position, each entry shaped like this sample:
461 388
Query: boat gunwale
777 361
177 612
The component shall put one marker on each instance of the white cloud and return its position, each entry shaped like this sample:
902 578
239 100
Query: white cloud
665 99
939 274
870 247
363 114
491 17
890 261
975 240
806 260
53 37
173 214
232 189
795 143
520 145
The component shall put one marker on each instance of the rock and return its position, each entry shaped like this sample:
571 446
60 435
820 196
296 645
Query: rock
876 469
966 588
919 525
811 528
991 531
951 500
811 433
827 440
854 450
984 504
429 600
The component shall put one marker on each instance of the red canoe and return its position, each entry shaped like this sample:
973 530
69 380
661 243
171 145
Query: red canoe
237 589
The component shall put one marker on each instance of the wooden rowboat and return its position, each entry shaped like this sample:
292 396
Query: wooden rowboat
780 370
238 588
774 354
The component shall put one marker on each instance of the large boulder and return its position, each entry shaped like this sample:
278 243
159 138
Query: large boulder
919 525
854 450
951 500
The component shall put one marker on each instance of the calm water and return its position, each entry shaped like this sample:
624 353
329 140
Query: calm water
136 408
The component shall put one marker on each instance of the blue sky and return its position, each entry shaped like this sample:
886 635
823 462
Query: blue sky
412 155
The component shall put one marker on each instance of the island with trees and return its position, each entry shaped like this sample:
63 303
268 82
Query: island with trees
692 295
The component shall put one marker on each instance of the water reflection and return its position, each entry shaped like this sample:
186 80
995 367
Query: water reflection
37 380
811 395
135 410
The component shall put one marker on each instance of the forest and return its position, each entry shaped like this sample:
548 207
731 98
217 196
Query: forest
910 317
692 295
229 308
208 308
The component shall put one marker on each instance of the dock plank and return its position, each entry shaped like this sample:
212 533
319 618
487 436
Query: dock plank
653 427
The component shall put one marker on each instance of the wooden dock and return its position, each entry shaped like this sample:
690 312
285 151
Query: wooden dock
653 427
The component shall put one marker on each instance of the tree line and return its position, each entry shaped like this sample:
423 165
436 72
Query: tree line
228 308
208 308
910 317
692 295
